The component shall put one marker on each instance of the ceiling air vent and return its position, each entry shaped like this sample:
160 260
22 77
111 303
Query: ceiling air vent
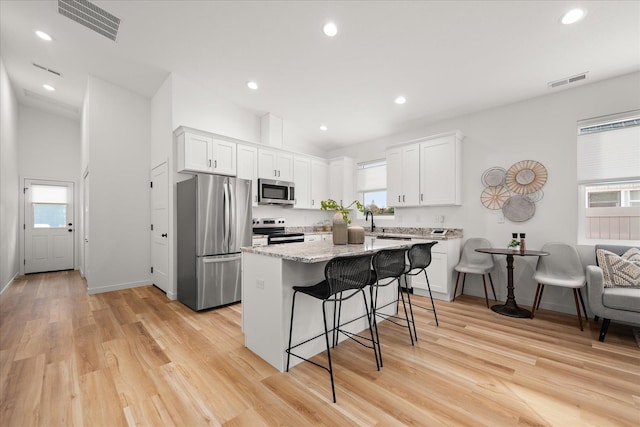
91 16
567 80
42 67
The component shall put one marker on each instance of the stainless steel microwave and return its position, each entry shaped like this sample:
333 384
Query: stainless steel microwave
275 192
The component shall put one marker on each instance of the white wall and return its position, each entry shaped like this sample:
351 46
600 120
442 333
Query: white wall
541 129
9 204
49 148
118 141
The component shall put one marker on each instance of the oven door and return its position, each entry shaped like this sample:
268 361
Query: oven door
273 192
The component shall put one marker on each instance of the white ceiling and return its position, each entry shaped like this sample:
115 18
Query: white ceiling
448 58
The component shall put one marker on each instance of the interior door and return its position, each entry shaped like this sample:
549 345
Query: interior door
85 226
160 226
48 226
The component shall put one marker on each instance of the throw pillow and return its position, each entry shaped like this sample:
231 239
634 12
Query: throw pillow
632 254
618 271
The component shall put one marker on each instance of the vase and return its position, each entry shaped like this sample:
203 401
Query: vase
340 235
355 234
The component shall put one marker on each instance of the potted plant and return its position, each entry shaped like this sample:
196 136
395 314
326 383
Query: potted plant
340 219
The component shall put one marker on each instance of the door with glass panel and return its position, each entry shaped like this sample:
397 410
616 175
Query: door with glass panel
48 226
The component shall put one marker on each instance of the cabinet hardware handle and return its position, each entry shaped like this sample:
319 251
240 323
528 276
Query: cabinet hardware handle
398 198
209 162
215 164
421 197
275 172
278 174
163 235
403 197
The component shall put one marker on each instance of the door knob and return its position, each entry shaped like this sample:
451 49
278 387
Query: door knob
163 235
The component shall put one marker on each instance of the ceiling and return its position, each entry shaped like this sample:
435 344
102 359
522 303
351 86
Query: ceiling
446 57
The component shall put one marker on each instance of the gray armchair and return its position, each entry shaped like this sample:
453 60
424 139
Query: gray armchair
617 304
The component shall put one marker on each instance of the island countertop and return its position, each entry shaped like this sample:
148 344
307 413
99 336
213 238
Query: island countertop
320 251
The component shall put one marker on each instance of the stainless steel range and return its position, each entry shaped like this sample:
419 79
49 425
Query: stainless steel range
274 229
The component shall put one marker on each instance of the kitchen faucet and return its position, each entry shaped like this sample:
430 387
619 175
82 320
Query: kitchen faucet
366 218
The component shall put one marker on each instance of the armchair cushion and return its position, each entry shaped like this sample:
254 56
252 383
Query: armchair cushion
619 271
622 299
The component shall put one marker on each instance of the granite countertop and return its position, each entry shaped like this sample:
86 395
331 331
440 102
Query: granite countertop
401 232
311 252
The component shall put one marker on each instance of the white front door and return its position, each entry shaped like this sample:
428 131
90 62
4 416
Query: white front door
160 227
48 226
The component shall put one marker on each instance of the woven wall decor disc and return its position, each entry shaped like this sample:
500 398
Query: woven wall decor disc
493 197
494 176
536 196
526 176
518 208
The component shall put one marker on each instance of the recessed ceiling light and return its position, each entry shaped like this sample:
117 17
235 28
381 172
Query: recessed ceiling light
48 87
400 100
43 35
330 29
252 85
323 128
573 16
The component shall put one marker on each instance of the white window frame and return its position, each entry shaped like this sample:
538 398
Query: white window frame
360 194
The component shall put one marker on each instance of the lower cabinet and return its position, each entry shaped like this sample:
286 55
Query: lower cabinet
444 256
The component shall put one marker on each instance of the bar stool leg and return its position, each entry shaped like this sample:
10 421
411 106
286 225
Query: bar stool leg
413 320
326 336
433 306
373 341
293 305
406 315
374 301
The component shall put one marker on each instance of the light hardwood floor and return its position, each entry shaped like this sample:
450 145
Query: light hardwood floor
132 357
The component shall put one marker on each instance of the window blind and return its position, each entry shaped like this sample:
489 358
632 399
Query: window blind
610 154
371 177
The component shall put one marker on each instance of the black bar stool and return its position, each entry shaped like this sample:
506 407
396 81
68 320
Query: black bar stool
419 259
389 266
344 277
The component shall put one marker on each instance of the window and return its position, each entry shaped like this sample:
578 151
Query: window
49 203
609 179
372 187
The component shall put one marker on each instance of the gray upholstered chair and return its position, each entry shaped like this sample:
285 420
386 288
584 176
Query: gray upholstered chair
475 263
617 304
562 267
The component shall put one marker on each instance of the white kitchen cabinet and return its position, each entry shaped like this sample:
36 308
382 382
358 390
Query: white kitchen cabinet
199 152
341 180
248 168
444 257
274 164
302 179
403 175
441 170
319 182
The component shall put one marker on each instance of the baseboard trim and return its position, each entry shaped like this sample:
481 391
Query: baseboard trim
5 287
120 286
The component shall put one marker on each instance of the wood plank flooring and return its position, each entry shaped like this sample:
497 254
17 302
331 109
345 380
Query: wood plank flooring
132 357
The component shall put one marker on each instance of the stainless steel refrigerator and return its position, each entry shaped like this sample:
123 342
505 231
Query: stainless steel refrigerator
214 222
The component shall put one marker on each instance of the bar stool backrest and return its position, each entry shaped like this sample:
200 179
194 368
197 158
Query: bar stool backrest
348 273
420 256
389 263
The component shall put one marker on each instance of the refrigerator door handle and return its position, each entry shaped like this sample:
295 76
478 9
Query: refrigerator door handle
232 214
221 259
226 209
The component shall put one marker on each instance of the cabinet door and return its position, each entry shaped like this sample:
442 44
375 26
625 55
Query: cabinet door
267 164
394 177
437 273
198 153
341 180
440 172
302 177
319 182
247 168
335 180
224 157
411 175
284 162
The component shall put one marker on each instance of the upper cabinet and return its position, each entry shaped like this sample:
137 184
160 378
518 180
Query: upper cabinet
248 168
198 152
341 180
319 182
403 175
426 172
441 170
274 164
302 179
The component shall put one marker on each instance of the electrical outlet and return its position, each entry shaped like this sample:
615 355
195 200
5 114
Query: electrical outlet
259 283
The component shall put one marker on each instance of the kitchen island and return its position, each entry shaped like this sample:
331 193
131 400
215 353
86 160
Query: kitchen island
268 275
